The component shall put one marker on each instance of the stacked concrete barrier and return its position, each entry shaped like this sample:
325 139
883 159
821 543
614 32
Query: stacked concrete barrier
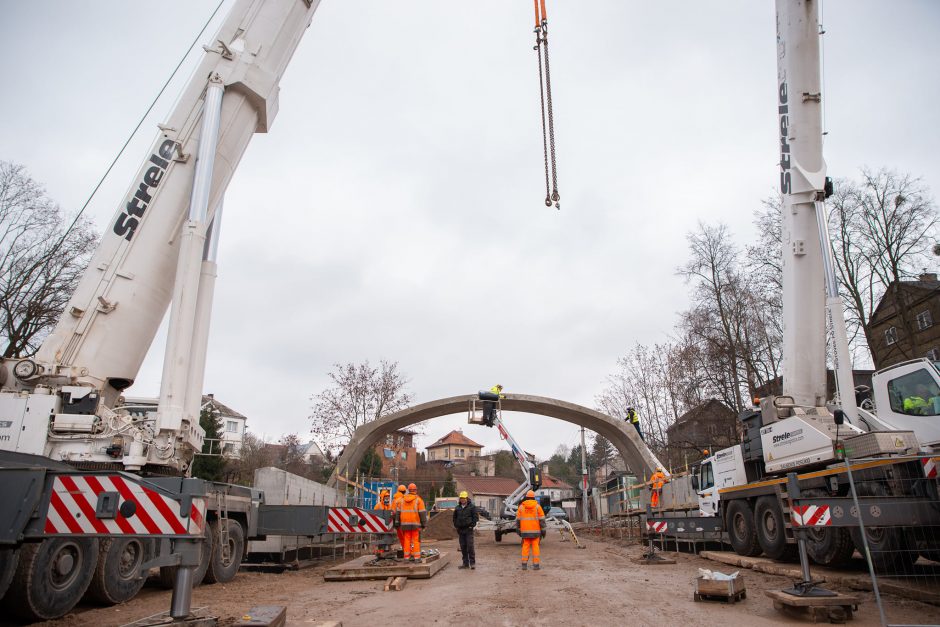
283 488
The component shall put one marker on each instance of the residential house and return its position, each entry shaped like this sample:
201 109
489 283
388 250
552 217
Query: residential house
487 492
398 453
711 426
233 423
555 489
454 447
311 451
904 324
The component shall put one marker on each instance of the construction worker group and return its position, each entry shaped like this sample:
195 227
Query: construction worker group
410 517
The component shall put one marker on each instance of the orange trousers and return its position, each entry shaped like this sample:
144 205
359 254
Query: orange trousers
533 544
412 543
401 538
654 498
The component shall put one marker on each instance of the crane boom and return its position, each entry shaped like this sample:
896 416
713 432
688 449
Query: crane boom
109 323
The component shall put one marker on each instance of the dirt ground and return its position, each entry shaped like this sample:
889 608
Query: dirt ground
595 586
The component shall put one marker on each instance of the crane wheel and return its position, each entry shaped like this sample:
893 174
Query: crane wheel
740 524
771 531
51 577
167 576
117 577
225 560
890 548
828 546
9 558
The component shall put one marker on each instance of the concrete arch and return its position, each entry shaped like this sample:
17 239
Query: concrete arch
622 435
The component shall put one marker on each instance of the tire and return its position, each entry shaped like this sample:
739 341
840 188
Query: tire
167 577
890 550
739 521
117 577
51 577
223 570
828 546
9 558
499 536
771 531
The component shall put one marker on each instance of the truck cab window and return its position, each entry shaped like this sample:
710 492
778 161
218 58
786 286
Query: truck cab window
708 477
915 394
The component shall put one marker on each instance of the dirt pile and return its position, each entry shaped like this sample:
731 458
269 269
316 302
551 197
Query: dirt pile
440 526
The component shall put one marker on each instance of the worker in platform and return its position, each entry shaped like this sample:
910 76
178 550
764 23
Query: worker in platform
634 419
399 495
411 517
466 518
489 407
657 480
531 520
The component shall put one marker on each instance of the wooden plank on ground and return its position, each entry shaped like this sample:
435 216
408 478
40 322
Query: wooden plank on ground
399 583
388 583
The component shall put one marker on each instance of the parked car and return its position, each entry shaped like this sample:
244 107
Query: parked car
557 512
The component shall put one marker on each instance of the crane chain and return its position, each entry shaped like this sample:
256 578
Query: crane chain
538 49
551 117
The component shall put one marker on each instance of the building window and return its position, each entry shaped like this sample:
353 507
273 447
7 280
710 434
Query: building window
924 320
933 354
231 426
432 454
228 449
891 336
404 454
458 453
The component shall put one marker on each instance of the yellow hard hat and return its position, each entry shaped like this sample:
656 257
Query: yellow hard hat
463 495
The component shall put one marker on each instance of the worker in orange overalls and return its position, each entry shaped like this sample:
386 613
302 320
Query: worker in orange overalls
657 480
384 502
531 521
395 501
411 517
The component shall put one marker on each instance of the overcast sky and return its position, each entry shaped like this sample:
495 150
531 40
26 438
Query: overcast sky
395 209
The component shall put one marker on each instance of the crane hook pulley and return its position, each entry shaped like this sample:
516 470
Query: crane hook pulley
545 95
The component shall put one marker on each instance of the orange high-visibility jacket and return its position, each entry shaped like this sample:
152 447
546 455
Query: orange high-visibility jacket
410 512
531 519
381 506
657 479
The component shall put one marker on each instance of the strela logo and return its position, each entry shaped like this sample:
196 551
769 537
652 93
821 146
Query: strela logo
784 111
129 219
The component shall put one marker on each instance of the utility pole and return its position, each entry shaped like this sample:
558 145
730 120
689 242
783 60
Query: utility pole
584 479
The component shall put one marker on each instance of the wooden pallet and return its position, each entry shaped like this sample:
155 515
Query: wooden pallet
834 609
357 569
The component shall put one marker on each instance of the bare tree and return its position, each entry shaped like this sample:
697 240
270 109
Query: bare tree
359 394
41 261
883 228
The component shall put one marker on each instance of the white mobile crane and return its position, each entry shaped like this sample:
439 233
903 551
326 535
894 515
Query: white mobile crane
793 447
95 493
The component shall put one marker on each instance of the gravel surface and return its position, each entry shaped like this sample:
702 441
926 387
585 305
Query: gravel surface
598 585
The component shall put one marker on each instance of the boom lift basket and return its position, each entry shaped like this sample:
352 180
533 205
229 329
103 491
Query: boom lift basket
477 406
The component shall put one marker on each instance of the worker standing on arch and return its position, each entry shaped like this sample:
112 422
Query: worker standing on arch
531 521
411 517
634 419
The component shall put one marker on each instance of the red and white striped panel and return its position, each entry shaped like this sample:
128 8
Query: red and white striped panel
810 515
338 521
74 498
930 467
656 527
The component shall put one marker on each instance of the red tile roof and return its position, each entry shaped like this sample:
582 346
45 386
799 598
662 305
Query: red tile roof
455 437
549 481
499 486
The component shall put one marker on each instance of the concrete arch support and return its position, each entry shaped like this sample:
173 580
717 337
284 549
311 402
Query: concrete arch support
621 434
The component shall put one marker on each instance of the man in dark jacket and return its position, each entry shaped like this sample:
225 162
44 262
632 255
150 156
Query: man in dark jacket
465 519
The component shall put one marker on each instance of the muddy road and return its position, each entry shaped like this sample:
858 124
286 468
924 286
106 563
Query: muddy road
598 585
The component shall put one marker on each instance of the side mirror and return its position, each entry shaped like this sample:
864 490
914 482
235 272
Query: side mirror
695 482
839 417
